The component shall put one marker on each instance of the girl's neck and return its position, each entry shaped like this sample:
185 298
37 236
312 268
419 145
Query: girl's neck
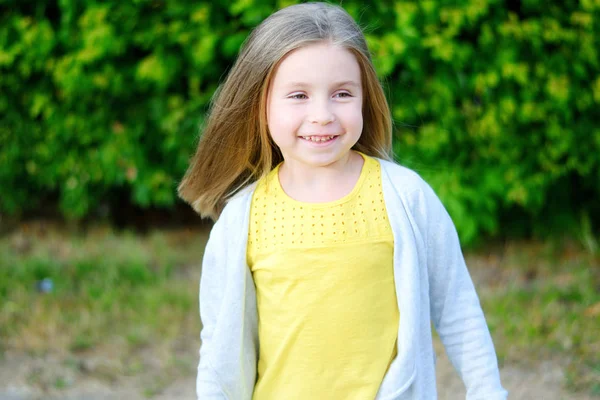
321 184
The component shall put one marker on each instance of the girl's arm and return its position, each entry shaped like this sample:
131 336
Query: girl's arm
455 308
212 282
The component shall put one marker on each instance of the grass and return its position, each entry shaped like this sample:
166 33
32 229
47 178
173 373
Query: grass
122 295
542 301
113 294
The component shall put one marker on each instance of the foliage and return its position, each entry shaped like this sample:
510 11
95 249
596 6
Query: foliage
495 102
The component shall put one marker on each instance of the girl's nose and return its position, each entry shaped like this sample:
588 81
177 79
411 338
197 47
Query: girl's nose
320 113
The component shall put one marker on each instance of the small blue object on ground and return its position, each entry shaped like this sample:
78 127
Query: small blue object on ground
45 285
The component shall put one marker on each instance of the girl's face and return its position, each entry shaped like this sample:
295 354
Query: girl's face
314 105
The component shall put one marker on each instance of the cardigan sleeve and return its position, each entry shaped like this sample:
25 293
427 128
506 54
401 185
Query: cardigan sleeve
455 308
212 281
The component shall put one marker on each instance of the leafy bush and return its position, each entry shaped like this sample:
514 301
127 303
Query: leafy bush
495 102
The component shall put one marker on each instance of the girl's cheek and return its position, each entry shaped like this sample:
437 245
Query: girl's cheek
351 114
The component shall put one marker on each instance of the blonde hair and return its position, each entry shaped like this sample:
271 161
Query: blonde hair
235 148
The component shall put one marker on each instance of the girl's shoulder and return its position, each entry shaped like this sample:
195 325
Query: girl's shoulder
416 194
243 194
404 179
236 206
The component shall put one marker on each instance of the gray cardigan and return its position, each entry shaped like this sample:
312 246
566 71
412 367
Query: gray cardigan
432 283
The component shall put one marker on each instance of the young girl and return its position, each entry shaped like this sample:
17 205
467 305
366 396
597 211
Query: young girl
327 262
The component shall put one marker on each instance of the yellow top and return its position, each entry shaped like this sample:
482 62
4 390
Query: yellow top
327 310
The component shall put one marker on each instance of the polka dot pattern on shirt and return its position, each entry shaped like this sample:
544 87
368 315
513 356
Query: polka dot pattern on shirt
277 220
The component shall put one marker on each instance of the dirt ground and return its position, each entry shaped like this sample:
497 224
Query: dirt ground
26 378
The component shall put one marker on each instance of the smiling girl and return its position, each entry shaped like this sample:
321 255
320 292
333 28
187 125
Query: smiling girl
328 261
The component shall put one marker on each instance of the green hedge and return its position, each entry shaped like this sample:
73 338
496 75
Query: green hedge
495 103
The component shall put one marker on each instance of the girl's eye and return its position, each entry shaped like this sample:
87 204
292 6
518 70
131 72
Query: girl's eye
298 96
343 95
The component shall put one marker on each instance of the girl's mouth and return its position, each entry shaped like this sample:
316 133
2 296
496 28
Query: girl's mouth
319 139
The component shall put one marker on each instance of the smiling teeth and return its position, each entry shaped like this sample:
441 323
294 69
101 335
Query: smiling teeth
318 138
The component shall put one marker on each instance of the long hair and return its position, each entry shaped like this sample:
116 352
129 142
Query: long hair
235 148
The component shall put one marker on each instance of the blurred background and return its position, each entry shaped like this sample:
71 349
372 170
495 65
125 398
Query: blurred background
495 103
